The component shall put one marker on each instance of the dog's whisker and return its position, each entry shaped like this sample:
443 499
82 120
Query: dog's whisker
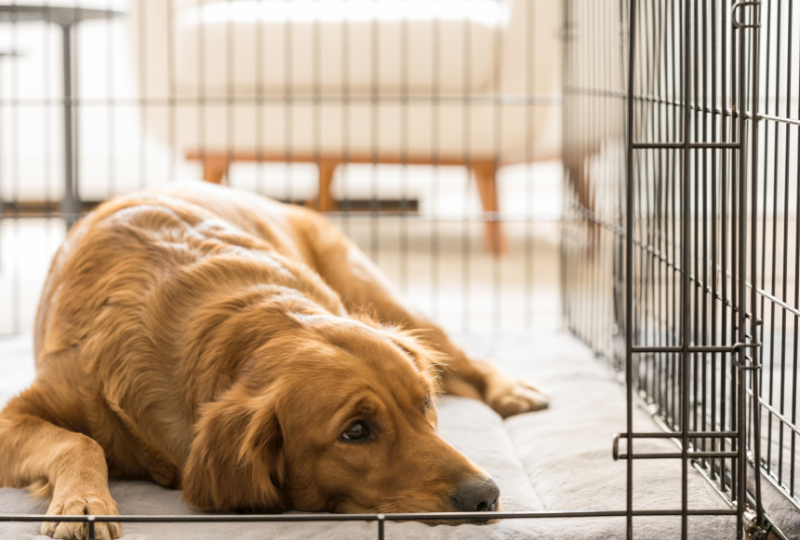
384 508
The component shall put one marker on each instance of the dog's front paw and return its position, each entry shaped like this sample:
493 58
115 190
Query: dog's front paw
80 504
516 397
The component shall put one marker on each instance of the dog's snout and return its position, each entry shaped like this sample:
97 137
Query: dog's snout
479 494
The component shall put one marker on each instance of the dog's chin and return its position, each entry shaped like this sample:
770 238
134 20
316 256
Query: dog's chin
454 522
463 521
429 522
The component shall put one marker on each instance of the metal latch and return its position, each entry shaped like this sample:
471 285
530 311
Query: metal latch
741 4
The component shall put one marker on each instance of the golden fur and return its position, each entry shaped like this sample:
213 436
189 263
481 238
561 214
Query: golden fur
220 342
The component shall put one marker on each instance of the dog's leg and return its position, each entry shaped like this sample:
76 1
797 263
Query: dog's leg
50 460
360 283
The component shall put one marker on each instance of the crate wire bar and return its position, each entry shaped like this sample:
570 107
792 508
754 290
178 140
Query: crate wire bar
660 241
691 258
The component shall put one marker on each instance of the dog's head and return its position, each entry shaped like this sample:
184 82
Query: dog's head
336 415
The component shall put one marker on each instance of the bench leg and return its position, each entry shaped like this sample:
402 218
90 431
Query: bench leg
215 169
486 178
324 201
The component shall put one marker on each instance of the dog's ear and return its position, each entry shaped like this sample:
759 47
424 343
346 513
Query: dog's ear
236 459
425 357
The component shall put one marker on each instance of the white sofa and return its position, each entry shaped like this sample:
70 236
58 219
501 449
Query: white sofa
344 81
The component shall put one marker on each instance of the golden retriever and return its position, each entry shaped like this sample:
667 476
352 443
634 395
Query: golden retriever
246 352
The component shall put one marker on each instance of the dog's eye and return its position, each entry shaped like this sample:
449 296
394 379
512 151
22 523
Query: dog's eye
358 430
427 400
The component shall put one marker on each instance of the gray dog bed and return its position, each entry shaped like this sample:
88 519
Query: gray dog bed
559 459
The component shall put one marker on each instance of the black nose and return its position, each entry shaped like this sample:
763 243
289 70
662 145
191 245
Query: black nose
478 494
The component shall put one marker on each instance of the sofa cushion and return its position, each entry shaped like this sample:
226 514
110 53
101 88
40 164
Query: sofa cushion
338 46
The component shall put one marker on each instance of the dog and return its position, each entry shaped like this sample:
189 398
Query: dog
246 352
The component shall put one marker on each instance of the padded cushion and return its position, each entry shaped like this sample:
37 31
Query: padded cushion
559 459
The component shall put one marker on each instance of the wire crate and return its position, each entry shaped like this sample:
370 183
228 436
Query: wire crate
691 217
672 248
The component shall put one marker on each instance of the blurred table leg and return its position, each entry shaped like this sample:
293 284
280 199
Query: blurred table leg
71 203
